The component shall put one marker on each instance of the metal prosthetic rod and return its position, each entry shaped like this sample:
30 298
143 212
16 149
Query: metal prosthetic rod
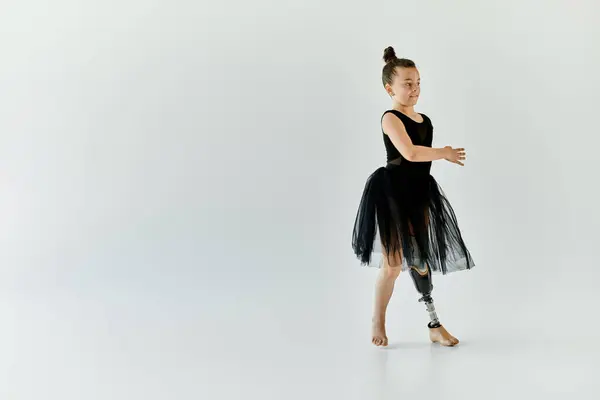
423 282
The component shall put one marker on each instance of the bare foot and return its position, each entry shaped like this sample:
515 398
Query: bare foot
442 336
379 336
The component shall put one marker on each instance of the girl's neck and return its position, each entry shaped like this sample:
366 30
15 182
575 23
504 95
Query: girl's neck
408 110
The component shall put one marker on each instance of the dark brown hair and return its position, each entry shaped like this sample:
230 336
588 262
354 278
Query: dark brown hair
391 62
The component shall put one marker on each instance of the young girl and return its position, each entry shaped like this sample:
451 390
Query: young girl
402 207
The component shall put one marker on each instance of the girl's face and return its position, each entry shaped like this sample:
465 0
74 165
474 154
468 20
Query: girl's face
406 87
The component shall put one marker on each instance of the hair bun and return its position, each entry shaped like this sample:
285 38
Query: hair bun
389 54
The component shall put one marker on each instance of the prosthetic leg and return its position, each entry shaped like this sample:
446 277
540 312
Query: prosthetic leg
422 279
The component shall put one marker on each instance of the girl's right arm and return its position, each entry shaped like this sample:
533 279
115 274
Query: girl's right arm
394 128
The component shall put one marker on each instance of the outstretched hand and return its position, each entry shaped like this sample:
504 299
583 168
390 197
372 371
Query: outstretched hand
455 156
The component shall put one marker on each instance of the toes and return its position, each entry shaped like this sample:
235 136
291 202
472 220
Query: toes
379 341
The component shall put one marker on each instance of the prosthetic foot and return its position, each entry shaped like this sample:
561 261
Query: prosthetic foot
423 282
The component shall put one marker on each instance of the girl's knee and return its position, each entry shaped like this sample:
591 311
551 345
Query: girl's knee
392 272
392 266
393 260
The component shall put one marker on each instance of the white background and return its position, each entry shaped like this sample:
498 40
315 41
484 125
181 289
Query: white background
179 181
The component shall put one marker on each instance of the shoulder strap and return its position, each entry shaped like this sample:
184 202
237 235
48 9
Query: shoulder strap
427 119
399 115
385 112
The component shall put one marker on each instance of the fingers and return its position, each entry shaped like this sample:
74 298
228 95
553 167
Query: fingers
461 154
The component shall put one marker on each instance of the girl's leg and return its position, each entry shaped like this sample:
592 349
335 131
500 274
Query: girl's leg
423 283
439 334
383 293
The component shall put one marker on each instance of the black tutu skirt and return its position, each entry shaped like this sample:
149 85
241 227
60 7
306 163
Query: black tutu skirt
408 213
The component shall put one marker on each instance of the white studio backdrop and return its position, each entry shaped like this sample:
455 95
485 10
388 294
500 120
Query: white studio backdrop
198 166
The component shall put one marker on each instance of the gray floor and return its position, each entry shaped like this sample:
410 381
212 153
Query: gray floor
180 339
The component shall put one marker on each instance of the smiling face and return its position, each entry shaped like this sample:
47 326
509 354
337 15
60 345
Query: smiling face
406 86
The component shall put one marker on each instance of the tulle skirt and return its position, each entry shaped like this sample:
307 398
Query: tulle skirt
407 213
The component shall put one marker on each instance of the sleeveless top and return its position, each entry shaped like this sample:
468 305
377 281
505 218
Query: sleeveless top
420 133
